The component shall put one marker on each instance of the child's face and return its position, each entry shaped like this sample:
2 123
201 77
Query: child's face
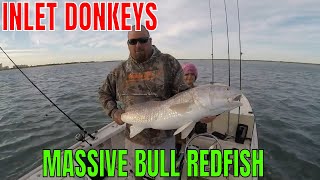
189 78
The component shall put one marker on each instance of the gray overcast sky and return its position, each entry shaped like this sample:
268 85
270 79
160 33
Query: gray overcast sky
284 30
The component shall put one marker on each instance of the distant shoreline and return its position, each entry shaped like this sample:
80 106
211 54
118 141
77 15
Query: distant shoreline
179 60
249 60
86 62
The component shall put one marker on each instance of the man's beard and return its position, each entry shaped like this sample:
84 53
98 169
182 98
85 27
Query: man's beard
140 56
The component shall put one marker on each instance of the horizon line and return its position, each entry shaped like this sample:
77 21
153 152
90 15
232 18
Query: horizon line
183 59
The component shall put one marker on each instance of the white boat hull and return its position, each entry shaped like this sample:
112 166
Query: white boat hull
111 136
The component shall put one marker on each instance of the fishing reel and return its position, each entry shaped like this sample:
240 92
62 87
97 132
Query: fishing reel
82 138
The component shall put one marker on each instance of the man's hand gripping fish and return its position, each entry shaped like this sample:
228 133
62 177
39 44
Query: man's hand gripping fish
183 110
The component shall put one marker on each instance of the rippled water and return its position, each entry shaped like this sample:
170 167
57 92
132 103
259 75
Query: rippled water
285 98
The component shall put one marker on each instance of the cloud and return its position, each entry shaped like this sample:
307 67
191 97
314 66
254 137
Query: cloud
274 30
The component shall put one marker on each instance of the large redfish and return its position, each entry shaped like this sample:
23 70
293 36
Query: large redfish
183 110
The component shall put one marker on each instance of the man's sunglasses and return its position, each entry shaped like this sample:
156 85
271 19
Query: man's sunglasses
135 41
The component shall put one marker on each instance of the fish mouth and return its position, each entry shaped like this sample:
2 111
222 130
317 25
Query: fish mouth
235 97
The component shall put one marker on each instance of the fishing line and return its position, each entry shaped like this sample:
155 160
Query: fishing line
212 65
81 128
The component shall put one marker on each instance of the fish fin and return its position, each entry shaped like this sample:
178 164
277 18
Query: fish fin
182 107
134 130
185 133
181 128
185 129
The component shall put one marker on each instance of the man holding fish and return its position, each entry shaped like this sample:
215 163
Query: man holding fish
157 103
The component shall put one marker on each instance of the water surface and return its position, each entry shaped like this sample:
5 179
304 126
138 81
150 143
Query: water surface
285 98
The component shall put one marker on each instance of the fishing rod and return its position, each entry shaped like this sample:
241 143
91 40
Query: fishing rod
80 127
240 54
212 66
225 10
